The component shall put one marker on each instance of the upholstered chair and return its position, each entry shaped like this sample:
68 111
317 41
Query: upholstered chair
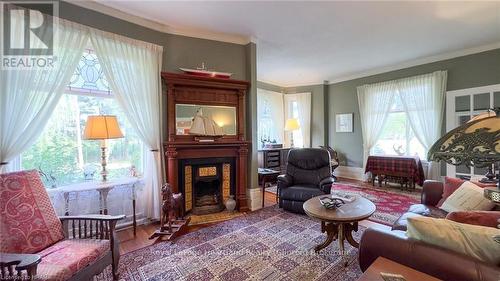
308 174
60 248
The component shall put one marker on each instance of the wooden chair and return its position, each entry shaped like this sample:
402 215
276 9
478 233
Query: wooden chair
334 159
36 243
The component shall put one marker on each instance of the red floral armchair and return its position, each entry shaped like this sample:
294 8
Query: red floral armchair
58 248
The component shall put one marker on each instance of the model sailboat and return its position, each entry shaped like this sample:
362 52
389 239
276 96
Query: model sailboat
204 126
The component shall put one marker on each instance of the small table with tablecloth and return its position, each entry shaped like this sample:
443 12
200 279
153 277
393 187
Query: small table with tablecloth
406 170
103 188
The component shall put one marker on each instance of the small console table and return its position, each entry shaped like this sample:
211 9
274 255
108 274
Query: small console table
103 188
267 176
405 169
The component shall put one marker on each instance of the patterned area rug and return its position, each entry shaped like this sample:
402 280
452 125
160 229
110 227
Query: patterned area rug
391 203
269 244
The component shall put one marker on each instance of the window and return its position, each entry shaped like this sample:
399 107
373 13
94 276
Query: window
298 141
270 116
61 153
397 137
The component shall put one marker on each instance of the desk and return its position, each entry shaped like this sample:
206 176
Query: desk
385 265
266 176
408 170
103 188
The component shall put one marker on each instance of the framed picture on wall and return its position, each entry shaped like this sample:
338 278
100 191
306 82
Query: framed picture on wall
344 122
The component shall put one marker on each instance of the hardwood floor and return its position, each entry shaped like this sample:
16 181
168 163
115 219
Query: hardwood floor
129 243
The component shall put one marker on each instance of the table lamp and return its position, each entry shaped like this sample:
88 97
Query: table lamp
102 127
291 124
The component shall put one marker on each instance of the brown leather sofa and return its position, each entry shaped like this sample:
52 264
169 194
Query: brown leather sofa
433 260
432 192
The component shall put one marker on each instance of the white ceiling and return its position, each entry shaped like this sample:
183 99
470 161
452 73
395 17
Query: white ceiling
301 43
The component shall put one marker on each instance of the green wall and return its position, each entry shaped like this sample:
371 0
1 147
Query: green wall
183 51
463 72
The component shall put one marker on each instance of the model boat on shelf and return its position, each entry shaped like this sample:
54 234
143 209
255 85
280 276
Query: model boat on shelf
203 71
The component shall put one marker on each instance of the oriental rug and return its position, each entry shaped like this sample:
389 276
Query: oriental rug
269 244
391 204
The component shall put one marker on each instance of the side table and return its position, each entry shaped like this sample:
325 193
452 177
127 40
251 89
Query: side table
267 176
103 188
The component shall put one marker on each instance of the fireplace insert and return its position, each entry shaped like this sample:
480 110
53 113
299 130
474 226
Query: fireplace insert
206 183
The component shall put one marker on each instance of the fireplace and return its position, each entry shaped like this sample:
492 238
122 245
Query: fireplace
206 183
225 155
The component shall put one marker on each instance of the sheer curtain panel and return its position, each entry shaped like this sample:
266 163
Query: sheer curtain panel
133 70
304 106
423 101
375 100
28 96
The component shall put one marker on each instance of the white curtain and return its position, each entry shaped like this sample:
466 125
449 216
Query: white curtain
28 96
374 103
304 116
423 101
304 105
271 115
133 71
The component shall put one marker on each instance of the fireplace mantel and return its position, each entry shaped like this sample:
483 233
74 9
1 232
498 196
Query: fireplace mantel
207 91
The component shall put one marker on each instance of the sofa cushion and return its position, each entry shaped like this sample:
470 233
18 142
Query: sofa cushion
28 222
471 240
65 258
467 197
483 218
415 211
300 192
452 184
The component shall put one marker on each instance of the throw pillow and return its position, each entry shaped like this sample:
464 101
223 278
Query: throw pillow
484 218
471 240
450 185
467 197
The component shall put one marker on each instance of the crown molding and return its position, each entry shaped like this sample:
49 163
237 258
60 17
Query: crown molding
151 24
287 86
416 62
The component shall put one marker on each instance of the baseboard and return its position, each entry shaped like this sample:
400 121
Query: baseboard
355 173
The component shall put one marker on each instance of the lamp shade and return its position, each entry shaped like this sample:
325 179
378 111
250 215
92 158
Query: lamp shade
475 143
292 124
100 127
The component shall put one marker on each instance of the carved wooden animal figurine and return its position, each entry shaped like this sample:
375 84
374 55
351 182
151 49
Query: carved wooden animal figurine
172 208
172 222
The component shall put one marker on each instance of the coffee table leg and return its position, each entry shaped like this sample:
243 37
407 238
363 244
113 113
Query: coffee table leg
348 229
331 230
342 237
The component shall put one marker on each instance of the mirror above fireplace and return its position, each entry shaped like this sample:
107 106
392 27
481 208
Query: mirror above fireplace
223 116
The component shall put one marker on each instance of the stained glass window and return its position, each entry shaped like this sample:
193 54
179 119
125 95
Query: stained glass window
89 76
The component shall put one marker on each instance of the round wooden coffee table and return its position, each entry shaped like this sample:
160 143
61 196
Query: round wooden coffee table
341 222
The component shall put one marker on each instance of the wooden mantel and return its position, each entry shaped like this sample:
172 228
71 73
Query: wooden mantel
190 89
